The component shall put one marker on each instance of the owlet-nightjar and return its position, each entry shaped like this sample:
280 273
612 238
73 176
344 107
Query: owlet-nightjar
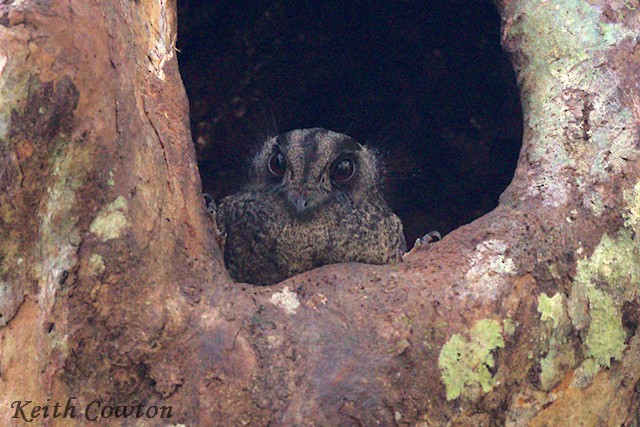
314 198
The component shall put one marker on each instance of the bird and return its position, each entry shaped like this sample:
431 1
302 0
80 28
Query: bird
314 197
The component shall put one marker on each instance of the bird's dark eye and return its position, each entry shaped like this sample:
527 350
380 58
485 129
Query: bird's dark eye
343 170
277 164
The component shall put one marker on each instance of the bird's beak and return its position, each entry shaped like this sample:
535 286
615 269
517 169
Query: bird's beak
301 201
300 204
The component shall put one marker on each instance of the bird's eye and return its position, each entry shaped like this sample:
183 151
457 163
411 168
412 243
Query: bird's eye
277 164
343 170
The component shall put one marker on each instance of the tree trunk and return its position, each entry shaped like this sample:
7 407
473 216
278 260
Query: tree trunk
113 292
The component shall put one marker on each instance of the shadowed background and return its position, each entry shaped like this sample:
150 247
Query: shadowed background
425 83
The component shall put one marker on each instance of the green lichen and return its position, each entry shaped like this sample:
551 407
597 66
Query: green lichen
508 326
560 355
111 220
606 336
608 272
564 42
603 283
465 361
561 59
553 271
632 199
488 266
549 370
594 202
59 235
14 86
9 250
550 308
585 373
68 166
615 264
96 264
558 360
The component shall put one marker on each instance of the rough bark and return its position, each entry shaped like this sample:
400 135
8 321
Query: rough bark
112 286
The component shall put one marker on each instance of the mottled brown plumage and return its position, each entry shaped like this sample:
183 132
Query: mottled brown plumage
314 198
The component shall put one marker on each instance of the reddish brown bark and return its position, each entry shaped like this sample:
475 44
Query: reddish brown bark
112 286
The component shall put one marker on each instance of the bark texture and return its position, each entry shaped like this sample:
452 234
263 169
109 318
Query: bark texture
112 287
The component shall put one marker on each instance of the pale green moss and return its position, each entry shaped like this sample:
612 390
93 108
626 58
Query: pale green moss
111 182
465 362
550 308
111 220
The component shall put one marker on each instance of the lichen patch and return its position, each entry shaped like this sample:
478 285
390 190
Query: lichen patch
3 62
162 45
96 264
286 300
550 308
632 218
465 362
602 284
111 220
488 266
